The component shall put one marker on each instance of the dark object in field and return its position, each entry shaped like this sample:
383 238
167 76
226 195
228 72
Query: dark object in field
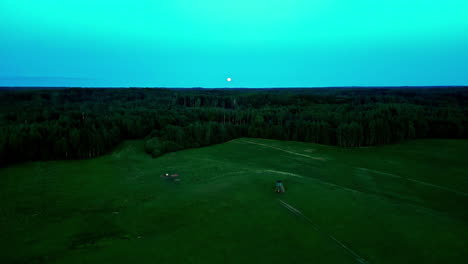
167 175
279 187
170 176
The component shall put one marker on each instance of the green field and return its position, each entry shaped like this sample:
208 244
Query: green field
405 203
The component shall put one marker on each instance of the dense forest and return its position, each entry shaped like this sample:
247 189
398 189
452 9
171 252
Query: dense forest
41 124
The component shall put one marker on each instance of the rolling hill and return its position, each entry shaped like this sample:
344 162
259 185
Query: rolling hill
405 203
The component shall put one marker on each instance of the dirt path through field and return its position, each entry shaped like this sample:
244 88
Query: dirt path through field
310 178
416 181
295 211
283 173
425 210
284 150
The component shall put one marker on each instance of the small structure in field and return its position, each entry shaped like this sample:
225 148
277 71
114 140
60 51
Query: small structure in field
279 187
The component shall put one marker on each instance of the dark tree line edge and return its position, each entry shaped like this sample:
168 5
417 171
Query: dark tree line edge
85 123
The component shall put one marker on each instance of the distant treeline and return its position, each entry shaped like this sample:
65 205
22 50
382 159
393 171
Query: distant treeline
85 123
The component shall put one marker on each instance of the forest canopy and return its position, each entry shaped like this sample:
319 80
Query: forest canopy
81 123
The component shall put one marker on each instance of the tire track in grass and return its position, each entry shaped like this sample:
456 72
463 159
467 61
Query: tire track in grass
416 181
295 211
378 172
282 172
284 150
312 179
426 210
222 176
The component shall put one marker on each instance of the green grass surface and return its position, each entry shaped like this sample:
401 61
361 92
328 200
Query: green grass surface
405 203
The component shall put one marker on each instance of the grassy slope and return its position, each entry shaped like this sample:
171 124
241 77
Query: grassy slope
116 208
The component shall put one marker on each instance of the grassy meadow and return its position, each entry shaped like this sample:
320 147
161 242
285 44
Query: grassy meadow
404 203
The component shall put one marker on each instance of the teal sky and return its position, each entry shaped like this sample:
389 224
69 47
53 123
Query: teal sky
258 43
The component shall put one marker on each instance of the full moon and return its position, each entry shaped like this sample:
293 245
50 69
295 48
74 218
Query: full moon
228 79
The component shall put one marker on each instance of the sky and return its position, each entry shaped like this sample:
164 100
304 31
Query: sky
256 43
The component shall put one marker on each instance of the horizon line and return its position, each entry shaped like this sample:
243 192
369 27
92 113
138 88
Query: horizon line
199 87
